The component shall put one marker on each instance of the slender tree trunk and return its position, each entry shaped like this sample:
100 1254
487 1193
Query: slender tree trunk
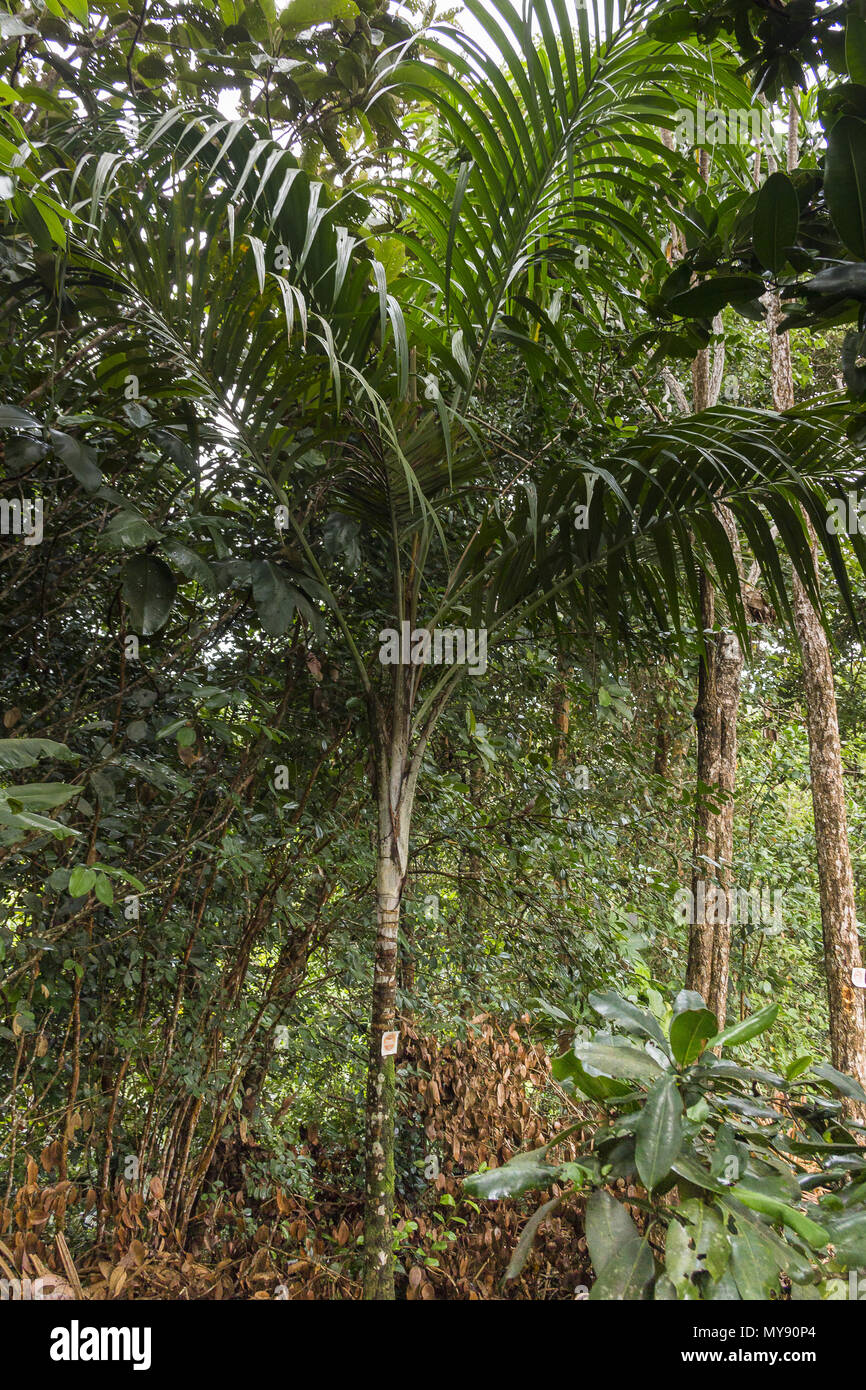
394 788
561 715
707 970
700 961
379 1175
718 701
847 1018
846 1011
729 666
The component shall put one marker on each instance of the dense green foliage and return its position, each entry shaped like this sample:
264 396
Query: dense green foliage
324 319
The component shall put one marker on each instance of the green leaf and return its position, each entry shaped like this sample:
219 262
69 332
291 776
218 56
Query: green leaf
190 563
11 27
798 1066
23 752
688 999
659 1132
681 1261
841 1082
628 1016
855 48
754 1263
149 589
710 297
340 538
708 1235
747 1029
103 890
13 418
617 1060
25 821
304 14
131 530
601 1088
845 181
518 1175
777 217
627 1276
689 1168
81 880
78 458
847 1233
623 1262
690 1031
811 1232
274 598
39 796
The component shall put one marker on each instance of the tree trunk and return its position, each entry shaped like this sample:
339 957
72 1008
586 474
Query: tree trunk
394 788
846 1012
845 1003
729 666
561 717
379 1175
716 725
718 700
700 961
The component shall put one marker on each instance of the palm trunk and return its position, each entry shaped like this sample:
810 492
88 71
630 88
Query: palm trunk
379 1175
713 846
718 701
729 666
394 788
846 1011
700 962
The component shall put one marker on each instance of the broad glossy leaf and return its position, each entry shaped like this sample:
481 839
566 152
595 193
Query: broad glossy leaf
690 1032
622 1261
39 796
78 458
845 181
847 1233
659 1132
777 217
627 1276
617 1061
688 999
855 47
681 1261
518 1175
747 1029
568 1068
709 298
149 588
754 1263
628 1016
23 752
274 598
81 880
11 417
840 1081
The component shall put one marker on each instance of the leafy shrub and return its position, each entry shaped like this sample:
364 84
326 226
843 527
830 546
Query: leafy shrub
747 1150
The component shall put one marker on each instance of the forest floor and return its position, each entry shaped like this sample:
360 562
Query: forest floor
467 1103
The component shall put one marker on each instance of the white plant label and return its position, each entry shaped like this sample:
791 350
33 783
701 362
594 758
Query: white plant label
858 977
389 1044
